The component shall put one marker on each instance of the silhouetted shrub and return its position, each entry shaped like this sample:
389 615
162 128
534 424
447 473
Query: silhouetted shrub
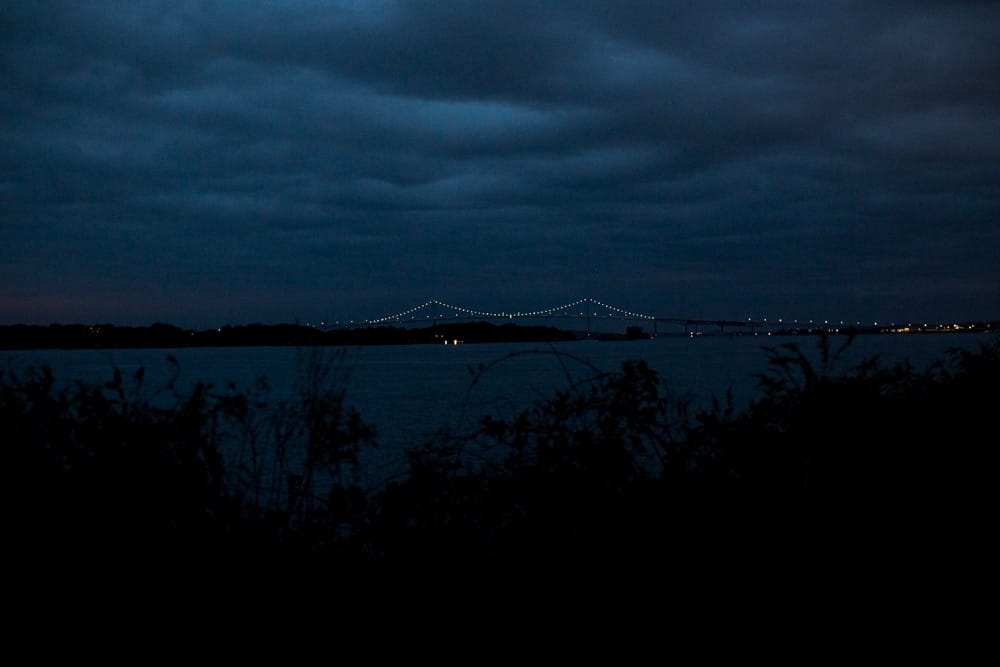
611 469
865 457
93 465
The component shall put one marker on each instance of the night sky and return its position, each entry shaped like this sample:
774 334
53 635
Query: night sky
203 163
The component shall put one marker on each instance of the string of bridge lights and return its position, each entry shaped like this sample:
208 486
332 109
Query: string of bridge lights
500 314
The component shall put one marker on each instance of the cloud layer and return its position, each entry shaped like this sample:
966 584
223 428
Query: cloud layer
209 162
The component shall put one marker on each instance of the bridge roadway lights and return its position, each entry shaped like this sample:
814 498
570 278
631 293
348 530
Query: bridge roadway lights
557 312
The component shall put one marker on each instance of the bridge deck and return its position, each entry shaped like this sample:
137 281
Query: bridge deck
595 310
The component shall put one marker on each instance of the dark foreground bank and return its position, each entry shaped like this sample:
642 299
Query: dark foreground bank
825 460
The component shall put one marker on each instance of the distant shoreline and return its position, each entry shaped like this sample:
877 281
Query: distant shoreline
106 336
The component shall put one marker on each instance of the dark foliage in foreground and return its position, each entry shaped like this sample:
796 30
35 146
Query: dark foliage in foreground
613 468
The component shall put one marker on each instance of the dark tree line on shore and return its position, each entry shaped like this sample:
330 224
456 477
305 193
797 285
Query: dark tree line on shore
105 336
615 468
109 336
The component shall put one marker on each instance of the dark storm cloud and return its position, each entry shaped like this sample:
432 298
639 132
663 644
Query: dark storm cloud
320 158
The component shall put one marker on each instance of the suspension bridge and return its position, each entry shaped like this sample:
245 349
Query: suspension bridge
432 312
